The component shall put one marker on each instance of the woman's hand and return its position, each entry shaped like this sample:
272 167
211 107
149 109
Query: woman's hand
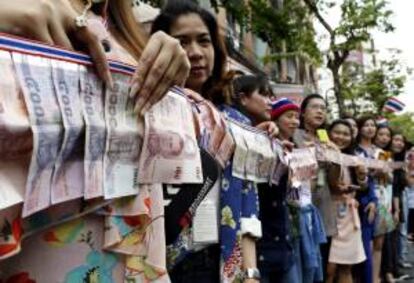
287 146
270 128
331 145
163 63
371 210
361 173
396 217
52 22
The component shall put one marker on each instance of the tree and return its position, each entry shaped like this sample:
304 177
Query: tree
404 124
358 19
368 91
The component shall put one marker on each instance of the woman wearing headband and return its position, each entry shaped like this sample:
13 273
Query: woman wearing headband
278 251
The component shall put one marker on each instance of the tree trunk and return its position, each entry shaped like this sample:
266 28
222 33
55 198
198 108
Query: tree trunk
354 108
338 91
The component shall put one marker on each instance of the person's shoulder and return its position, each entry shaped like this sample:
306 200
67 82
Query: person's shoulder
232 113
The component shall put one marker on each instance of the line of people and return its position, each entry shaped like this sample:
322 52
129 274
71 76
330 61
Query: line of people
340 226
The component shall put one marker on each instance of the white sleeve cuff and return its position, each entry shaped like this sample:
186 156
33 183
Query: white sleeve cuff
251 226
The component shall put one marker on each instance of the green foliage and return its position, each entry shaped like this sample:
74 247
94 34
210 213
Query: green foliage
273 24
358 19
403 123
374 87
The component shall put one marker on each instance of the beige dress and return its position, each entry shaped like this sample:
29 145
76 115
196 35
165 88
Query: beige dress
346 246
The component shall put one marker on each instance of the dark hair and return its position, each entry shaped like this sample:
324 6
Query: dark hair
303 106
247 84
379 127
218 87
361 122
347 116
400 156
351 147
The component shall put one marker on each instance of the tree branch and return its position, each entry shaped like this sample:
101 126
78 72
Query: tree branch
314 9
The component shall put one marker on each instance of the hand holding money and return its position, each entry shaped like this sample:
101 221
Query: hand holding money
52 22
170 153
270 128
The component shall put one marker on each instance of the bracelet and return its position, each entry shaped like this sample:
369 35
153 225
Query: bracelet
251 273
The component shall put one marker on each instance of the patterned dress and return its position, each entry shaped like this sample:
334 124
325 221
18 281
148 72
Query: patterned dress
239 212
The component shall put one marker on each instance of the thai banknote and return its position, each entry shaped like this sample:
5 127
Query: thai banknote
215 135
15 136
226 149
123 142
68 176
240 152
212 128
260 156
35 77
92 102
170 153
302 163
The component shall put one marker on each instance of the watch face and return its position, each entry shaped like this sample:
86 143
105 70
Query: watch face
252 273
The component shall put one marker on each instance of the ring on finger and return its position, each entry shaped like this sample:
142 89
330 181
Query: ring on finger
81 21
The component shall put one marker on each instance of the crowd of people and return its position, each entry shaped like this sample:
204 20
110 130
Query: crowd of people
344 225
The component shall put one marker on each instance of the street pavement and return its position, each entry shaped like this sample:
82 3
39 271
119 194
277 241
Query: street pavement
411 260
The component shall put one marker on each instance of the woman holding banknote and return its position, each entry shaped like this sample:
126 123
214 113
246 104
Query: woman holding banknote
367 199
124 241
346 247
387 201
162 61
278 251
198 33
312 119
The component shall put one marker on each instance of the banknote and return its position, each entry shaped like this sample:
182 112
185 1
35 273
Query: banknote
279 166
215 136
303 163
68 176
170 152
123 142
35 77
92 104
15 136
212 128
240 152
260 156
226 149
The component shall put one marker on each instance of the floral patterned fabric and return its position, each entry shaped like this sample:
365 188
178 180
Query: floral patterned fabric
97 247
239 203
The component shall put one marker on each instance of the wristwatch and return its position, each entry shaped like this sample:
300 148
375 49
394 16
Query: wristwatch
251 273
